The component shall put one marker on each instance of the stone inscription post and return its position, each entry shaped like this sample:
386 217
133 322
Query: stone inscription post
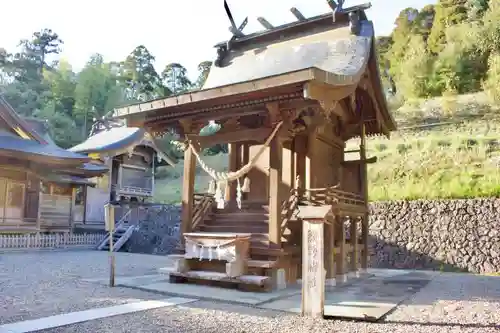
313 270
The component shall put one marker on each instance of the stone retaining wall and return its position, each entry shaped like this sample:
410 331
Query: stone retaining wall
439 234
158 232
423 234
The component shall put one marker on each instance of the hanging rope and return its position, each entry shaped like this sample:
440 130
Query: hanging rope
226 177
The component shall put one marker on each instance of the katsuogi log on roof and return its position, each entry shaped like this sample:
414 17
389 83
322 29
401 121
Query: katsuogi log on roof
329 59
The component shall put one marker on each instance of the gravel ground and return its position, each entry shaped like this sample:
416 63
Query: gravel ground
40 284
47 283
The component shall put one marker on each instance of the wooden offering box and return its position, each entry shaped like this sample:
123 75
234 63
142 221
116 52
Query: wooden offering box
230 247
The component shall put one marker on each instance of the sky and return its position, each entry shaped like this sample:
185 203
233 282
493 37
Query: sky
182 31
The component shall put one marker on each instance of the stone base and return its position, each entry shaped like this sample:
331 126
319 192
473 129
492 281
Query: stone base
341 278
330 282
280 279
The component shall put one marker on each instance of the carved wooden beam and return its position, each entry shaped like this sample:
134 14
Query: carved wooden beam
328 97
206 116
255 135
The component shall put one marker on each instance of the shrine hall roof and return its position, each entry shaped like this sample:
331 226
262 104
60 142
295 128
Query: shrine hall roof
335 49
116 140
19 146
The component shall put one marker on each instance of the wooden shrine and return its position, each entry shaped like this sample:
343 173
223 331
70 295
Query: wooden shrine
38 179
131 156
287 99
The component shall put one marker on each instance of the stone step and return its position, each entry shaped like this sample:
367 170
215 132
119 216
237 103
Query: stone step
222 277
237 228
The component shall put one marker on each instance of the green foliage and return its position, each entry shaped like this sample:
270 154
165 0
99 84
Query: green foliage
70 101
492 82
175 78
447 13
441 49
458 159
412 75
204 70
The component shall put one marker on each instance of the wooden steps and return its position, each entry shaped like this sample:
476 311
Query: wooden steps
264 258
120 237
242 282
234 228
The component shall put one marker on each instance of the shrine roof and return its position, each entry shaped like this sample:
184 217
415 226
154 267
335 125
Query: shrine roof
334 49
67 179
116 140
40 127
32 150
17 123
110 140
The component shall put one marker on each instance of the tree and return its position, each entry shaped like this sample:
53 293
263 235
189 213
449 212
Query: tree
400 38
413 73
175 78
203 70
424 21
97 91
62 83
476 9
489 42
448 13
139 75
28 89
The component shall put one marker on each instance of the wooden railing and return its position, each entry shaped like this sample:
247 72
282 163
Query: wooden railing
342 200
57 240
203 205
118 226
289 209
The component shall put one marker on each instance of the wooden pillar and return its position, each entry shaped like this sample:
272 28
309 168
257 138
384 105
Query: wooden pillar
364 182
187 191
39 208
341 263
275 168
354 245
330 249
84 195
234 158
300 148
72 209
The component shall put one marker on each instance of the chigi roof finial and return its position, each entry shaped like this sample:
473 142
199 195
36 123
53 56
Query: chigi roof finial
336 7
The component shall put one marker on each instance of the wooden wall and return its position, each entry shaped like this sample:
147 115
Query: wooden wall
323 158
325 155
55 211
13 189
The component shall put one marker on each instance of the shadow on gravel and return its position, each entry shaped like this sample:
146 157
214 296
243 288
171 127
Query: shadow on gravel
433 324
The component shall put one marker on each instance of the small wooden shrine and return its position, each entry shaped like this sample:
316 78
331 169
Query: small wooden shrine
131 156
287 100
38 180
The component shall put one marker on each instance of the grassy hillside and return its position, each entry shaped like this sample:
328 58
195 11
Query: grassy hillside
444 148
447 148
168 189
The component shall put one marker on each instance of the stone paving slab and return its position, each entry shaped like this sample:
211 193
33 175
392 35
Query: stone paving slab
159 283
87 315
368 299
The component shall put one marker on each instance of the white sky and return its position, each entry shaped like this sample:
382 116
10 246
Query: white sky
174 31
